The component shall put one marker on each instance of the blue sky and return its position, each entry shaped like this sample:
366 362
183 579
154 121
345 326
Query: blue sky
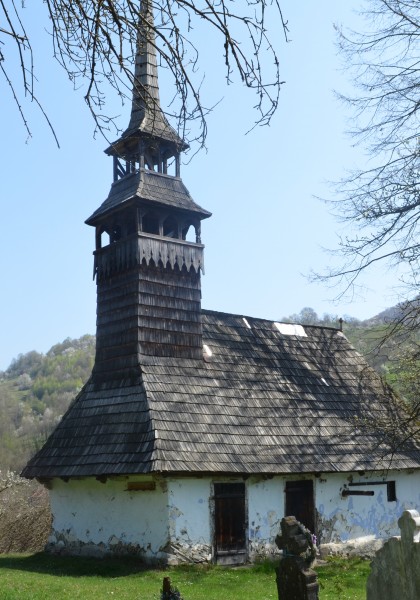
267 230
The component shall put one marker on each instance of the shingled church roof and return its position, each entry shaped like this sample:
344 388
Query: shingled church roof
176 389
266 398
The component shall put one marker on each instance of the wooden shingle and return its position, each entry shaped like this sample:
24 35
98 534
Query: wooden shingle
263 402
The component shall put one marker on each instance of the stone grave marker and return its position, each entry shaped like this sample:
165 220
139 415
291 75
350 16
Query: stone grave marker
295 579
395 573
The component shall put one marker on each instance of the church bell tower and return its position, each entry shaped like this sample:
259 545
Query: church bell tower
148 256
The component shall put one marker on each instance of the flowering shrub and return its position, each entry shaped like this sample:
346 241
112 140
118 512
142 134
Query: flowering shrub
25 518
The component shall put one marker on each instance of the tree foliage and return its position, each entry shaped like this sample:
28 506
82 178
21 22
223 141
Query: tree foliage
308 316
95 42
35 391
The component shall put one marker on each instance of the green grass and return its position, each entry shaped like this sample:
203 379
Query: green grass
44 577
343 579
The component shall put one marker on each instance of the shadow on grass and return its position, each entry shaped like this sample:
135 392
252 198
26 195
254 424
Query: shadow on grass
78 566
74 566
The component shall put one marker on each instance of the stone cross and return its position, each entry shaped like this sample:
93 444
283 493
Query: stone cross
295 579
395 569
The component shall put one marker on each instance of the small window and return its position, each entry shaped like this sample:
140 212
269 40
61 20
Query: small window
168 164
391 491
149 162
131 227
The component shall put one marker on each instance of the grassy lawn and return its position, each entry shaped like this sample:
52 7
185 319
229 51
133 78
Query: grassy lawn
43 577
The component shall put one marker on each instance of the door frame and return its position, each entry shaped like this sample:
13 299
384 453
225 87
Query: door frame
220 491
306 489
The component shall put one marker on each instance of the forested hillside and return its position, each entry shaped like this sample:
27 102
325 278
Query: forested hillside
36 389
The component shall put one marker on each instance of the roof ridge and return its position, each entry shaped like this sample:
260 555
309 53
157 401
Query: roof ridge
156 456
218 313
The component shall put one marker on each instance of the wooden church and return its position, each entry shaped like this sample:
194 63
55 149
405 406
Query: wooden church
199 430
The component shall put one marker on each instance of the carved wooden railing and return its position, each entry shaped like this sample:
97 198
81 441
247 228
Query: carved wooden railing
147 247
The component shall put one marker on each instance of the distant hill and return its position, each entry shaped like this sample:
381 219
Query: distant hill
35 391
386 316
37 388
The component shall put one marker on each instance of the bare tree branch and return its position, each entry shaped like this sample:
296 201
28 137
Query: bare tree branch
95 42
380 202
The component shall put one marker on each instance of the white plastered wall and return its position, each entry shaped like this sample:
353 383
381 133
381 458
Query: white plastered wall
345 519
176 520
189 510
265 511
93 518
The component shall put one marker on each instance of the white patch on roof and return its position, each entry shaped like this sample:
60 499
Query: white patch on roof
290 329
207 350
246 322
324 381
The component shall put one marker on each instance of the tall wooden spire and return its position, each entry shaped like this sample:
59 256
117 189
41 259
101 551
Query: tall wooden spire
160 142
146 113
148 272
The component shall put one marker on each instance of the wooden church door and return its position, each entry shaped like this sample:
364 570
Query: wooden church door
230 523
300 502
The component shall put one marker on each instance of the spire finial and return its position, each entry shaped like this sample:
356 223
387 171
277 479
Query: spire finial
145 85
146 112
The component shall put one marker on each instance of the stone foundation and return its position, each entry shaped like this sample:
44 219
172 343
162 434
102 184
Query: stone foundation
262 551
171 554
360 547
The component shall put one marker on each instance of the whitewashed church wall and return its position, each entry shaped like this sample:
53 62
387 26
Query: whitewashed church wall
175 521
96 518
360 519
189 510
265 511
341 520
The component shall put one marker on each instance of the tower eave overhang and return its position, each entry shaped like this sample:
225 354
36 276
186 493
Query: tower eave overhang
151 187
127 144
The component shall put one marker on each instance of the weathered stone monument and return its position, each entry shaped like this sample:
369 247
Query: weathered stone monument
295 579
168 592
395 570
